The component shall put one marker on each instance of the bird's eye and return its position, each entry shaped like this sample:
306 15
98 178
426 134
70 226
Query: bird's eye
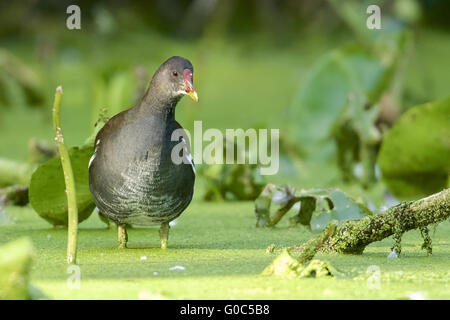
175 73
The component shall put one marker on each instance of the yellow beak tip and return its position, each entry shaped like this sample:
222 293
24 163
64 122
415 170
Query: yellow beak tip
193 95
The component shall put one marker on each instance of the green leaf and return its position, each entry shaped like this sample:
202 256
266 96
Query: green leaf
318 207
415 153
368 73
47 188
332 204
337 90
320 102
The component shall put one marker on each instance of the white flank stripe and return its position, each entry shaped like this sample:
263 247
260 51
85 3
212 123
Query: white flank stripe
92 159
189 157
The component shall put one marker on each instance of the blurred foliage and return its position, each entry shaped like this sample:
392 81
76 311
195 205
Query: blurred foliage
249 57
13 172
40 151
337 91
114 90
341 98
415 154
192 18
19 85
236 182
19 172
5 217
232 182
102 118
14 195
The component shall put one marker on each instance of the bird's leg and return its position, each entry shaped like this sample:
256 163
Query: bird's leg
122 236
164 234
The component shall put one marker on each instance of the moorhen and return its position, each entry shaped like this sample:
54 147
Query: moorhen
132 177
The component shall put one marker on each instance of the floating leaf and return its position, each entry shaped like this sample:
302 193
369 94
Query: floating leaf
318 207
342 208
326 205
415 153
47 188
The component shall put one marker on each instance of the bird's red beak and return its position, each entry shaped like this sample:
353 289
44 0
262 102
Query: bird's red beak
188 85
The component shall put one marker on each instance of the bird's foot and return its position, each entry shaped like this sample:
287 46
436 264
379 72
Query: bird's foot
164 234
122 236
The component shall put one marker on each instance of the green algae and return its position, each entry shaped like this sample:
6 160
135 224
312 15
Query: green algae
223 254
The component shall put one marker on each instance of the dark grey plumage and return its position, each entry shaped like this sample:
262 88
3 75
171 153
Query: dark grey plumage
132 177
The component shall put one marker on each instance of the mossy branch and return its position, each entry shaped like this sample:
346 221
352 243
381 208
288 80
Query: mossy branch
306 251
353 236
68 179
294 261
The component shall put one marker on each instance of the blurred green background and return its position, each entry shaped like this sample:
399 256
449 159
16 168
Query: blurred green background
251 61
367 111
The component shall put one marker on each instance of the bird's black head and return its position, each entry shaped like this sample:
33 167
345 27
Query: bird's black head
174 78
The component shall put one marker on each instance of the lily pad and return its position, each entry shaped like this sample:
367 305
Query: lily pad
47 191
415 153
